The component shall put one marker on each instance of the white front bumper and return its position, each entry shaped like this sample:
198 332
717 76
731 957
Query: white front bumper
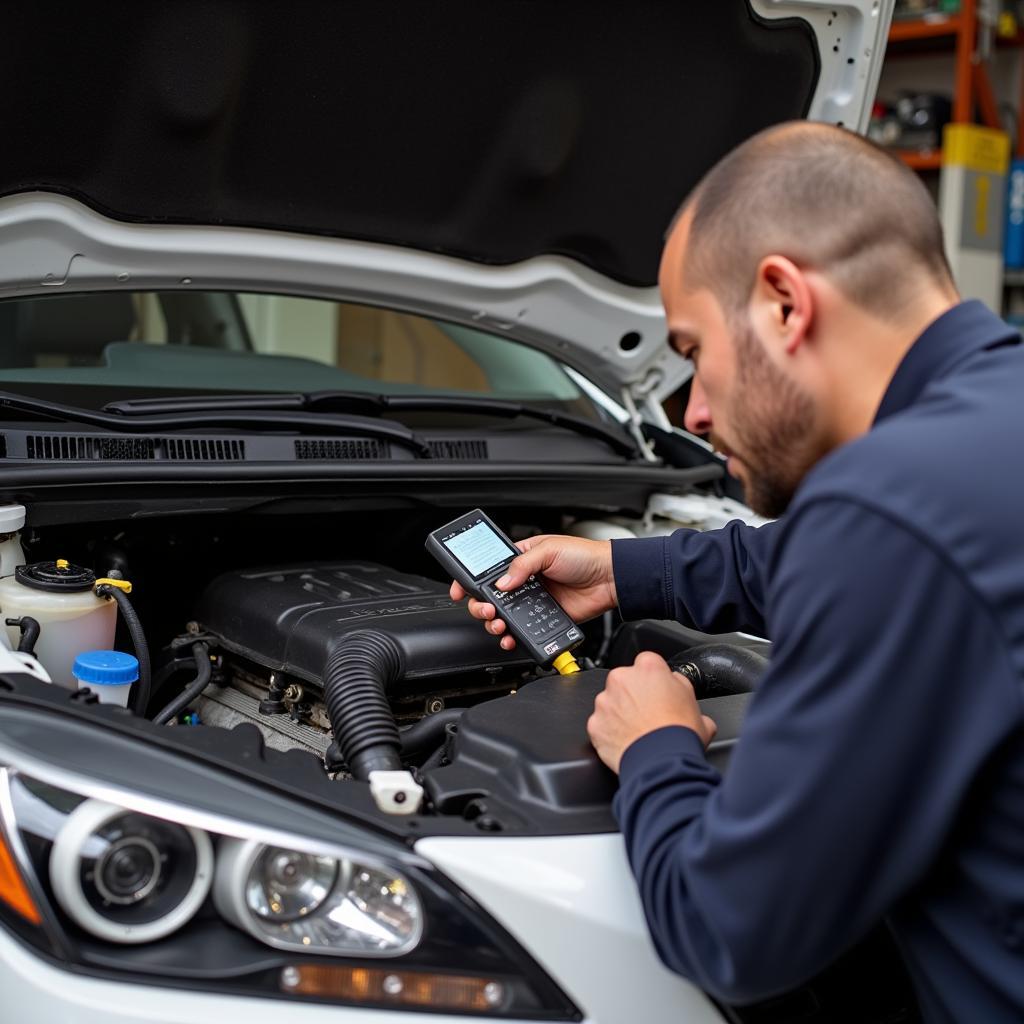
572 903
33 992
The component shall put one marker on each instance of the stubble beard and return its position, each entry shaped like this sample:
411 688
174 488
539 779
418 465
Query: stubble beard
773 428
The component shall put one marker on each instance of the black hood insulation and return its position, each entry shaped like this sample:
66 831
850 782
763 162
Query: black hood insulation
491 131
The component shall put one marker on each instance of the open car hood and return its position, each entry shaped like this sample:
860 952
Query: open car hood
512 164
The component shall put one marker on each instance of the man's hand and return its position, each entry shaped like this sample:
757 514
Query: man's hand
637 700
577 573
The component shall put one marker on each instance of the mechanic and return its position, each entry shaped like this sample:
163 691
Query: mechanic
880 771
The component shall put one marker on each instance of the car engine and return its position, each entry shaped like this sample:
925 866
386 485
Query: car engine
288 634
348 667
370 668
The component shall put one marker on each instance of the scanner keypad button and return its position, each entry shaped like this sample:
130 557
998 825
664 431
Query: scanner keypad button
531 607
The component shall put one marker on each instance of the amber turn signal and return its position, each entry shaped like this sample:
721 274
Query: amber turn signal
13 890
399 988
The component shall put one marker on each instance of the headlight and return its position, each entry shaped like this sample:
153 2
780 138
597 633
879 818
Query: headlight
317 904
129 877
284 885
132 878
119 881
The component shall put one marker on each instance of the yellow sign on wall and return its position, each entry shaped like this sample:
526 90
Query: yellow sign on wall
976 148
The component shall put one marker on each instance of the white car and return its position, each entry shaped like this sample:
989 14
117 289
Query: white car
283 288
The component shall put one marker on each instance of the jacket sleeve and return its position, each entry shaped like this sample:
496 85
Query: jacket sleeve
714 581
889 686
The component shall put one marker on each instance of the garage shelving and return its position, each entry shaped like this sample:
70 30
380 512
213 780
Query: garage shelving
973 95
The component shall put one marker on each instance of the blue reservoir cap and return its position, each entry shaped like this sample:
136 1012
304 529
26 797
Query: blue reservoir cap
106 668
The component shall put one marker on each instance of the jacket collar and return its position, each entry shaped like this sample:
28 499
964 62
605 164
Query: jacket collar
961 331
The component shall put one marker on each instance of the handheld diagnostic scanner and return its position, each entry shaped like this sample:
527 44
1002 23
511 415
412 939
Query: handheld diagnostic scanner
475 553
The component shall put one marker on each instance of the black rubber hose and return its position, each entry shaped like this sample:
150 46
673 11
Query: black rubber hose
142 689
719 670
434 761
428 733
30 630
204 671
356 678
171 668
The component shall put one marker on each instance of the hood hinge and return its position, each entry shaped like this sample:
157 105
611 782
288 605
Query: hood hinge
637 399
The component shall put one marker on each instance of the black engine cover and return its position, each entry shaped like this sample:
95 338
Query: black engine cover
290 618
531 751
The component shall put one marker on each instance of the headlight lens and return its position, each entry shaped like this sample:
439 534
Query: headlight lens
295 900
284 885
128 877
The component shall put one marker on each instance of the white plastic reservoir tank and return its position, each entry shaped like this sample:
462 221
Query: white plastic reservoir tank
12 522
71 617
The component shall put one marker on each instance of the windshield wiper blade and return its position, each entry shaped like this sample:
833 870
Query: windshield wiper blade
239 416
510 410
370 404
340 401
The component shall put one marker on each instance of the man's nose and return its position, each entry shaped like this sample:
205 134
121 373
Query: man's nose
697 419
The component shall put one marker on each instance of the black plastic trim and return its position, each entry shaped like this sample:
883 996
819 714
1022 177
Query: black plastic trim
608 474
70 447
81 494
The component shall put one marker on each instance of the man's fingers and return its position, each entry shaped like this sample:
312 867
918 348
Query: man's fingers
478 609
615 678
685 680
488 615
710 728
528 564
481 610
649 660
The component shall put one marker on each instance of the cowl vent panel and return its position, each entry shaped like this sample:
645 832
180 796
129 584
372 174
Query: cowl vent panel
78 448
458 450
341 449
199 450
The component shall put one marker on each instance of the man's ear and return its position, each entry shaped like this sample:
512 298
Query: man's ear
782 303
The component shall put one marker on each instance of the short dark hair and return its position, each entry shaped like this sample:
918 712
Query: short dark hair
825 198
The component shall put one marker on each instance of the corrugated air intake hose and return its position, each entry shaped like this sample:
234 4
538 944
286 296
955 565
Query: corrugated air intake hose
356 678
718 670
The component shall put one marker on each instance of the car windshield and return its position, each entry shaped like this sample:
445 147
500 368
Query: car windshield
228 341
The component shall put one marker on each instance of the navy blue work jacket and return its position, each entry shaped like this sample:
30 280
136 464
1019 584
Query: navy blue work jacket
881 768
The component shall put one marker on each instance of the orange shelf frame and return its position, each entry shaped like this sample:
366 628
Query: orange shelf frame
925 28
930 160
971 84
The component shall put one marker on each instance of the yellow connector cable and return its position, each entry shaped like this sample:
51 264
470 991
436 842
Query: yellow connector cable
119 584
565 664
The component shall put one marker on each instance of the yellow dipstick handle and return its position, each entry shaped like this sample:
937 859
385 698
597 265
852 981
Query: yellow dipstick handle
566 664
62 563
119 584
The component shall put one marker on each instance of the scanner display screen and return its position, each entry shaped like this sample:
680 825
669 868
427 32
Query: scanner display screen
478 548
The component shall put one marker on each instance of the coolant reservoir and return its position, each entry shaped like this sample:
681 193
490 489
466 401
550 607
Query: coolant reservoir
12 521
72 618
